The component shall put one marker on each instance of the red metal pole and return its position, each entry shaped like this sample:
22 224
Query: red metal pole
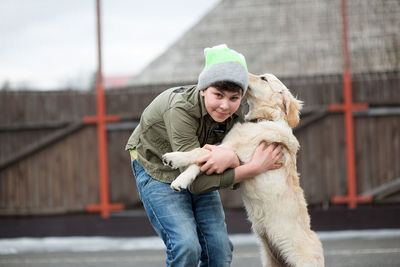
101 119
349 128
348 107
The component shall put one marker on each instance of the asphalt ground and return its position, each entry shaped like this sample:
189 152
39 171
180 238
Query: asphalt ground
362 250
340 250
134 223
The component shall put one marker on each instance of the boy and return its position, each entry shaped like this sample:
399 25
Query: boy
192 222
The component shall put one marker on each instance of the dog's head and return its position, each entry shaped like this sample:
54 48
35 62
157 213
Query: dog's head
269 98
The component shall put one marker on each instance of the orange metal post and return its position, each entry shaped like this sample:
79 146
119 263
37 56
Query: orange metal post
348 107
100 120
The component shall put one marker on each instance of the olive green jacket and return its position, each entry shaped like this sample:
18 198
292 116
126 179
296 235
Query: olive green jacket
177 120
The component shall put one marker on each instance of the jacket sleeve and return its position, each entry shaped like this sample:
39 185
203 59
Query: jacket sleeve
206 183
181 130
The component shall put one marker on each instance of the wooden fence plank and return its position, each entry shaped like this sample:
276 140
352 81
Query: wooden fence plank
62 175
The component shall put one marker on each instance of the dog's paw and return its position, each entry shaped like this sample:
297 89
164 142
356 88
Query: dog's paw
178 186
174 159
167 159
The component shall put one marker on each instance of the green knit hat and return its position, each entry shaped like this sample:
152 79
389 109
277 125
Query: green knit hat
223 64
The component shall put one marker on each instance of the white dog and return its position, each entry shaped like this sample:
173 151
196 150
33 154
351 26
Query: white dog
274 200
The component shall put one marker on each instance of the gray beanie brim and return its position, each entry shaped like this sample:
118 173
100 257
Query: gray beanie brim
226 71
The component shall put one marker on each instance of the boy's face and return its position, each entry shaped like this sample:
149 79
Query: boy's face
220 104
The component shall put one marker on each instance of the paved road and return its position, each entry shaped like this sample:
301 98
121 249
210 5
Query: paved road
364 251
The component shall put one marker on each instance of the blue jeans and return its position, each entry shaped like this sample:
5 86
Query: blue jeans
192 226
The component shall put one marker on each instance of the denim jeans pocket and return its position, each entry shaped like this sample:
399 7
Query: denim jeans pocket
141 176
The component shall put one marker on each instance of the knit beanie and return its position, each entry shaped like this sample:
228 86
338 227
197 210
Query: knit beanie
223 64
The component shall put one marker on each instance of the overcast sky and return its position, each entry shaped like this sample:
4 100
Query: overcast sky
49 44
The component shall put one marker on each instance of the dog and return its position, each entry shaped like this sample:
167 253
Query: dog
274 200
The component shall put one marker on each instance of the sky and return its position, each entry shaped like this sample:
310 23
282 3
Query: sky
51 44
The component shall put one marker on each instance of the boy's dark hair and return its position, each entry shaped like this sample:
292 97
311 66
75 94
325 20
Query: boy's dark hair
227 86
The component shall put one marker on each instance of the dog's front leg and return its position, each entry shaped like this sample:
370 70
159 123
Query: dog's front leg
185 178
182 159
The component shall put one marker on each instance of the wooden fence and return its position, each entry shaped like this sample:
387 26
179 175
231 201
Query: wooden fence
48 158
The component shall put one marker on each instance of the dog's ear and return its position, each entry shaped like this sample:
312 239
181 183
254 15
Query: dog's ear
292 108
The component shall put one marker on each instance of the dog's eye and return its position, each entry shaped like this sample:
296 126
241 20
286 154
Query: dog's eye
264 79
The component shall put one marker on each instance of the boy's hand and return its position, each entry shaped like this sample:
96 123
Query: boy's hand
218 160
266 157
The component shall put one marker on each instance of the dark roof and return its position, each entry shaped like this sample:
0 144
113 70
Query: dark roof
287 38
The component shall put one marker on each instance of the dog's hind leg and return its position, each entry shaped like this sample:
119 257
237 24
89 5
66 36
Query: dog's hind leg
267 258
308 254
304 248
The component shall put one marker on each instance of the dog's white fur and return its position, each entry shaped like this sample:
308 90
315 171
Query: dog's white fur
274 200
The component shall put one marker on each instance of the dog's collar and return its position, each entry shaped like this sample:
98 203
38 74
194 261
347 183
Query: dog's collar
256 120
